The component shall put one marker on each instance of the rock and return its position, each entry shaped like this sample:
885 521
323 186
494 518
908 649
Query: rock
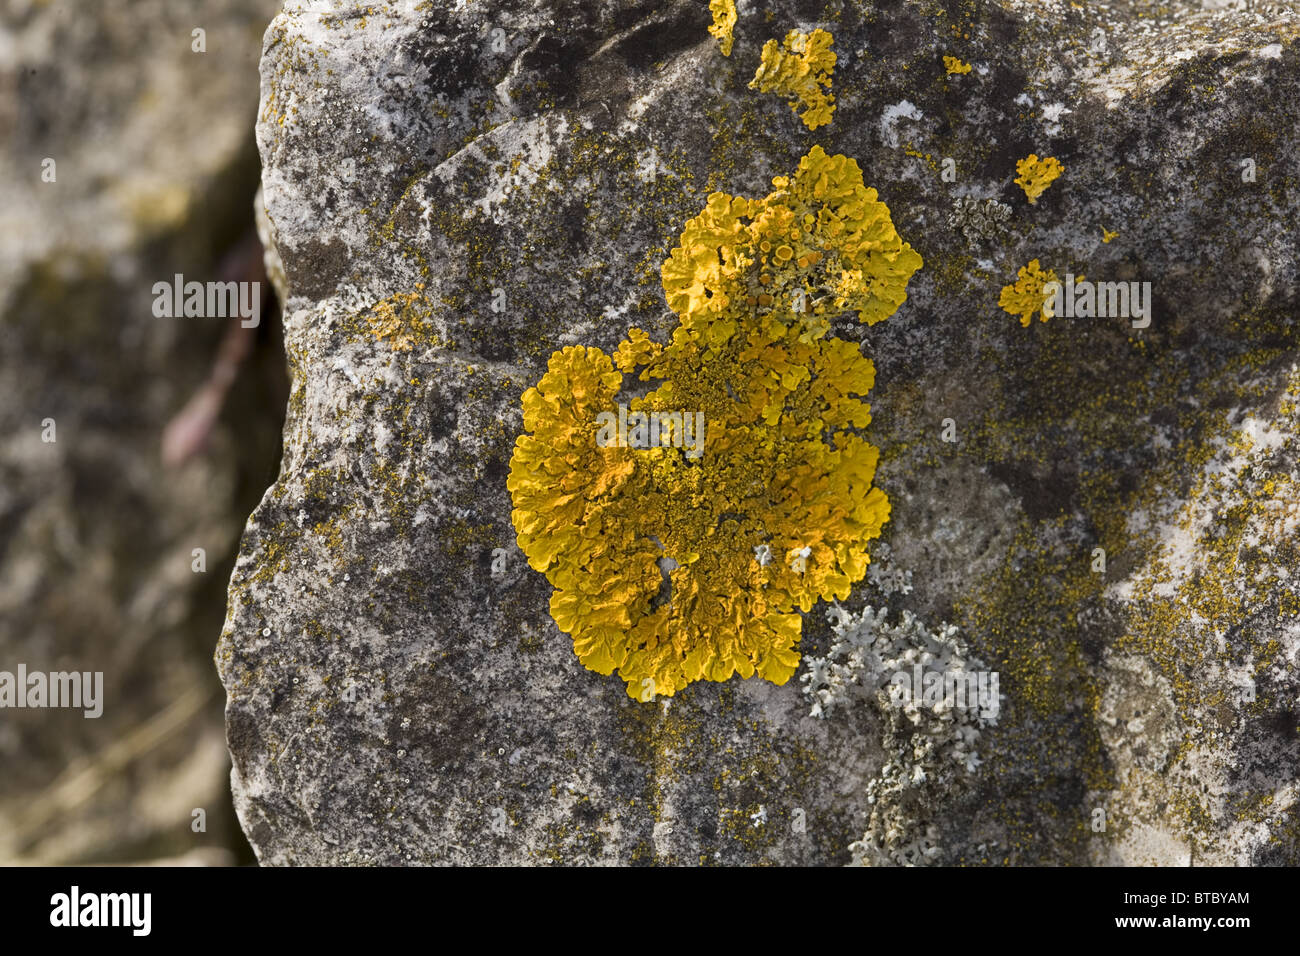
455 193
124 149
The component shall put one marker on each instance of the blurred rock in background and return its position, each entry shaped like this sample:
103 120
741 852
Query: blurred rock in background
153 173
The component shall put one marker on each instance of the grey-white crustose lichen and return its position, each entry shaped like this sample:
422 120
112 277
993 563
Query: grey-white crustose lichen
909 672
979 220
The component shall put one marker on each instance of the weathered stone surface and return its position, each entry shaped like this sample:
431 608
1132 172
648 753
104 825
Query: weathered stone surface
456 191
153 161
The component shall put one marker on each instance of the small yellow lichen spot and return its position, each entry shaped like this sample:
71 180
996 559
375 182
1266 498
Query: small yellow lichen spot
399 319
800 69
1037 174
954 65
1026 296
1107 235
724 23
688 558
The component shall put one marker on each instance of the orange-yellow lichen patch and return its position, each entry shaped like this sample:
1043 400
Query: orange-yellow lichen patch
1025 296
671 567
1107 235
1035 174
399 318
821 243
800 69
955 66
724 23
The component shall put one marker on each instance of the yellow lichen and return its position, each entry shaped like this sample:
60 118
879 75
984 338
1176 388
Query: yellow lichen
724 23
1037 174
954 65
800 69
399 319
1025 297
672 568
1107 235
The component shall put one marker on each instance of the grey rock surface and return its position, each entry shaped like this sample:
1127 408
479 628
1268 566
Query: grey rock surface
145 142
455 191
